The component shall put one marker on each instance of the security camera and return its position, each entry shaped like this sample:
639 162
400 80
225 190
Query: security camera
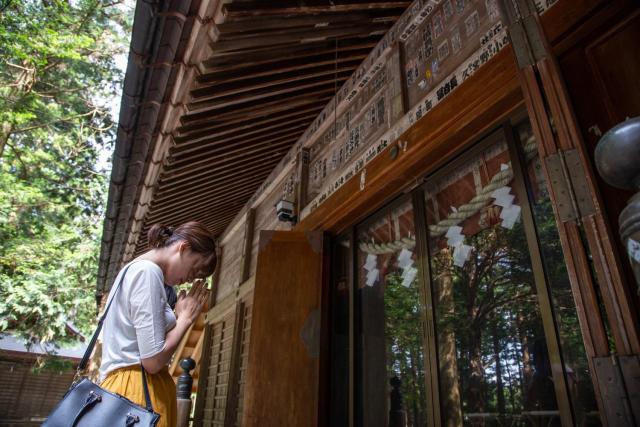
284 210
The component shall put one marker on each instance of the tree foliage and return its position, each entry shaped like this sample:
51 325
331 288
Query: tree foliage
57 78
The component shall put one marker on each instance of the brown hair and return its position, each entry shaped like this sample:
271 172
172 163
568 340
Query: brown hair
198 236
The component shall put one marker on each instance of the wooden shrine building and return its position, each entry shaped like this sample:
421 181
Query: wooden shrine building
411 226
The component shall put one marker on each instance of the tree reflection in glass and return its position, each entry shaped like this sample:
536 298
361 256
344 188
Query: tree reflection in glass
390 324
492 354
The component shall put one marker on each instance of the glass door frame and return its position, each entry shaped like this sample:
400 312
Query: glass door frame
355 304
505 131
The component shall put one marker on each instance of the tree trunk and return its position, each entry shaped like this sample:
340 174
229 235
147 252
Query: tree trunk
476 380
448 363
5 134
418 396
499 384
527 369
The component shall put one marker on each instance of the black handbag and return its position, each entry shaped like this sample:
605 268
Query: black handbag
86 404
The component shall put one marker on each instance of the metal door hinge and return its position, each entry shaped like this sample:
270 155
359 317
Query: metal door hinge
569 184
525 33
616 377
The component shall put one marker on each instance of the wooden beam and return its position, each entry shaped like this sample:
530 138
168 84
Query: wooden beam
261 8
232 186
256 23
179 159
289 28
256 109
222 170
230 416
279 51
234 61
197 145
197 351
299 37
206 353
303 174
261 110
241 147
250 219
280 90
178 353
211 79
216 92
223 166
209 194
203 166
210 209
180 215
237 126
304 34
221 309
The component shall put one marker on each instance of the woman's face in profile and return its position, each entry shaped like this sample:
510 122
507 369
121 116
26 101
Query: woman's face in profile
184 265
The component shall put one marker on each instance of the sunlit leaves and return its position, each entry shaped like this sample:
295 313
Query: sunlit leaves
57 78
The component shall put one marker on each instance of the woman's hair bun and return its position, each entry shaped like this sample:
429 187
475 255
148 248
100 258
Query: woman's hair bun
159 235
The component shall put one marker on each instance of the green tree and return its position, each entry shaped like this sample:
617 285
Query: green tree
57 76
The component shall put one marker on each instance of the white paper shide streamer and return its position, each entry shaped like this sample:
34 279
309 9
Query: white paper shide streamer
409 272
455 239
503 197
372 271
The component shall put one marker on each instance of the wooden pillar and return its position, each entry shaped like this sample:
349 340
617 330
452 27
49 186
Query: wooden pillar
249 225
185 382
303 181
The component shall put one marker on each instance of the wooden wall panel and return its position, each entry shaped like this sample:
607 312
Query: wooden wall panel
218 372
247 307
26 395
231 266
266 219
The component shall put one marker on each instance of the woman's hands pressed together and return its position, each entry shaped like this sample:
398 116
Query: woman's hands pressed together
188 307
190 303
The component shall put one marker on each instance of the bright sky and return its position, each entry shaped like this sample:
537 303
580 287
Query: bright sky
104 161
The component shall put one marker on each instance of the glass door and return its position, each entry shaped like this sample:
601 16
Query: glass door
389 322
508 342
457 303
493 359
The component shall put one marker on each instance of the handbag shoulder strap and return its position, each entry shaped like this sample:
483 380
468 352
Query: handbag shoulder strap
147 398
94 338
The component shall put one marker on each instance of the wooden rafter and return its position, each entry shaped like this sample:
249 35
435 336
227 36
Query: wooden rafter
262 8
270 70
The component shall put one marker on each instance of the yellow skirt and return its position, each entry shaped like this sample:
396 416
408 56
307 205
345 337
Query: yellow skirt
127 382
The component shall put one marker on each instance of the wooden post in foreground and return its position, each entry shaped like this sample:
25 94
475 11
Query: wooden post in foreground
185 382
